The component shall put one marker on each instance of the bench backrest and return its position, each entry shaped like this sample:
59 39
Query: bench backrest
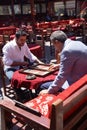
44 103
59 109
65 114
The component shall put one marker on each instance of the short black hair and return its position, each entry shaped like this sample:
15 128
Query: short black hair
59 36
19 33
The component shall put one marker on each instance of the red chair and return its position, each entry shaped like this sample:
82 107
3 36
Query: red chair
12 37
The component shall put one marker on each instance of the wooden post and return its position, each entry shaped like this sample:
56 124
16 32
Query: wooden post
2 120
57 115
76 8
32 13
65 12
12 8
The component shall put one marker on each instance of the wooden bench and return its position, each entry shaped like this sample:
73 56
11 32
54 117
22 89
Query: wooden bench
68 110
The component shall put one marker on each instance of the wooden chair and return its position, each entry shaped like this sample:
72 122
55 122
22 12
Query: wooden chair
68 114
21 95
7 89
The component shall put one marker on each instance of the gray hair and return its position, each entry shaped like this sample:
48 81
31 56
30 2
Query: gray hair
59 36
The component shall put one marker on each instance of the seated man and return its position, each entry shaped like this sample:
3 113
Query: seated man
73 63
14 52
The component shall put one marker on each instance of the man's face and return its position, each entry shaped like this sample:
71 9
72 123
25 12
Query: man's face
58 46
21 41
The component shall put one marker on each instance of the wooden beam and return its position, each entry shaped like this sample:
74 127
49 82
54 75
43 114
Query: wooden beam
32 12
12 8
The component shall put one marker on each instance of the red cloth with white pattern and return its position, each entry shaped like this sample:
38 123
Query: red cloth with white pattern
44 103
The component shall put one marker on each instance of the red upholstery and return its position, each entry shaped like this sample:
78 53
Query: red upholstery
44 106
12 37
73 38
36 50
62 24
74 108
44 25
7 30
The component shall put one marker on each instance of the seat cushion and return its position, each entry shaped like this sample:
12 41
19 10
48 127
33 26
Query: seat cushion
42 104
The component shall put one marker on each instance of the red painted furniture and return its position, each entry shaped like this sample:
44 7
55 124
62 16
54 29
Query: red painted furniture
67 111
44 103
36 50
19 80
7 30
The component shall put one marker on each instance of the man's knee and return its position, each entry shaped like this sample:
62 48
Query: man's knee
43 86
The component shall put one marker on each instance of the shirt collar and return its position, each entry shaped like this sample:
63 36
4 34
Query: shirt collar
67 41
14 42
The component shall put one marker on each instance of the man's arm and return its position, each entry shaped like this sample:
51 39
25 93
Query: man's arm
38 61
19 63
66 64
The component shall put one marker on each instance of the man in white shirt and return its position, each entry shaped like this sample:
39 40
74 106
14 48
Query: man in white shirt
14 52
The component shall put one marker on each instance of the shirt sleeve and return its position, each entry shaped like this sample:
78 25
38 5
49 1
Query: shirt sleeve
6 56
29 54
66 64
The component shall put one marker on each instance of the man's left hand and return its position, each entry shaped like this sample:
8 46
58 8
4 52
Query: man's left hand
45 91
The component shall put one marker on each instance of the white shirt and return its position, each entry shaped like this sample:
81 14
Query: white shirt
12 53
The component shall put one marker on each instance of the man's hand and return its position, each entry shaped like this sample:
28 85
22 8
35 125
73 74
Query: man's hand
45 91
53 67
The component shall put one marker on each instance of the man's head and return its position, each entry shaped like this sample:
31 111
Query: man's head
21 36
58 38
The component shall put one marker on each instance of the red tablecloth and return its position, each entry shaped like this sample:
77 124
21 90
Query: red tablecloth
19 80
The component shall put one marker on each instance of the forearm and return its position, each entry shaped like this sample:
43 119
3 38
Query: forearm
19 63
56 84
38 61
